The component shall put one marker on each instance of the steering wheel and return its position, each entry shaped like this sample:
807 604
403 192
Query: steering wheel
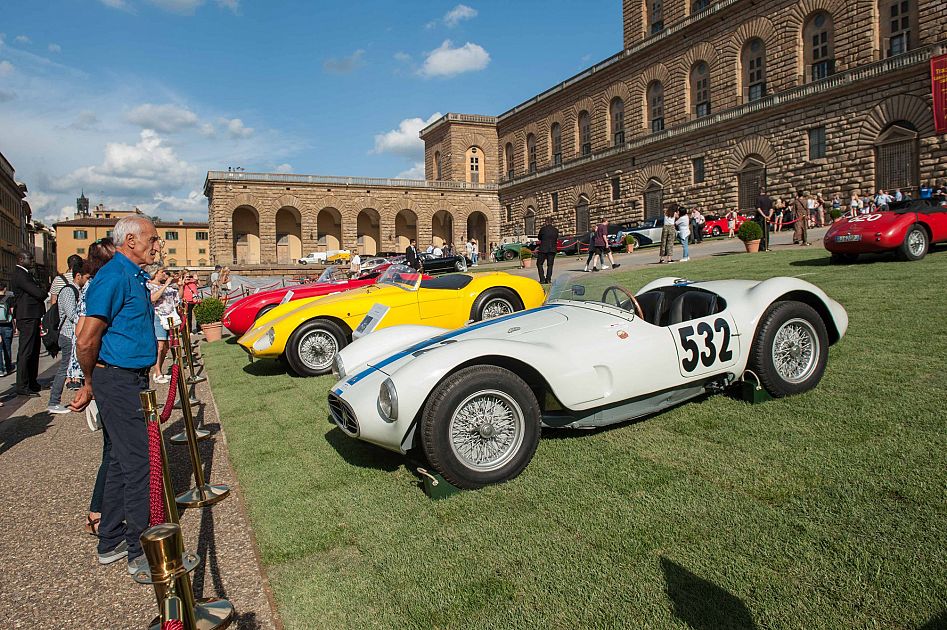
618 291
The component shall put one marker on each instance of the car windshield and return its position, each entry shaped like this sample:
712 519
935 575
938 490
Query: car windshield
590 289
334 273
402 277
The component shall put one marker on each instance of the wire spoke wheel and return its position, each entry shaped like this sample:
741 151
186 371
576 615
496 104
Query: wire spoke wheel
497 307
917 243
486 430
795 350
317 349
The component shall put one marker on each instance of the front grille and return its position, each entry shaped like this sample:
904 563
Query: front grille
343 415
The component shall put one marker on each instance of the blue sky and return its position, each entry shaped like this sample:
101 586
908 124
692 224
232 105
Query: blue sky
134 100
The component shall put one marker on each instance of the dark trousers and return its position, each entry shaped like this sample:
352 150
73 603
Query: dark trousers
27 355
125 496
98 490
764 225
545 259
6 347
190 316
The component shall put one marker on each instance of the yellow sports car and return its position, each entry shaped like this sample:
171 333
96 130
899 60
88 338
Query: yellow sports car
309 332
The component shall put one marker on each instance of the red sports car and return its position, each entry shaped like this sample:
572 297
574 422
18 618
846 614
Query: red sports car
907 228
239 316
715 225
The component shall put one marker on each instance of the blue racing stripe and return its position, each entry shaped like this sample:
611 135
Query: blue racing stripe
438 339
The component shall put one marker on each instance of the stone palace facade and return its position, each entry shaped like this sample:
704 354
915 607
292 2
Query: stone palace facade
706 103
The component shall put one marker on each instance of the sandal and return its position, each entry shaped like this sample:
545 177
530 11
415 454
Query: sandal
92 525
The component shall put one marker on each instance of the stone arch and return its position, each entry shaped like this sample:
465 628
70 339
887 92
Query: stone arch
702 51
651 171
752 145
759 27
478 227
531 128
329 228
657 72
442 228
368 231
245 228
620 90
406 228
571 196
796 18
287 225
554 119
892 109
523 210
583 104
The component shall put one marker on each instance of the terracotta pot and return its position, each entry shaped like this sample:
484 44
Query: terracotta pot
752 247
527 263
211 331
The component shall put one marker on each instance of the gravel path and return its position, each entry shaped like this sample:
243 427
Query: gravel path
51 578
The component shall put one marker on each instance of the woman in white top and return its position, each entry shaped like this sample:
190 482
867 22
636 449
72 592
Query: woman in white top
683 224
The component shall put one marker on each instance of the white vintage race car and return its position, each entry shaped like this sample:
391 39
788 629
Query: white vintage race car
594 354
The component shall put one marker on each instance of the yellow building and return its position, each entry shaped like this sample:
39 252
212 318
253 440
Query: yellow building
185 243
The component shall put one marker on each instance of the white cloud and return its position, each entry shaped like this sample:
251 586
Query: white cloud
55 48
458 14
166 118
447 61
236 128
207 130
63 214
6 68
284 168
403 57
23 39
233 5
85 121
344 65
144 167
404 140
184 7
415 172
115 4
171 207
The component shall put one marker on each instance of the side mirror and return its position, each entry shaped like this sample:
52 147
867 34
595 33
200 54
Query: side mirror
578 290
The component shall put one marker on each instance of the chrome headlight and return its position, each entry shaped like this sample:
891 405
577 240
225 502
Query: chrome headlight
265 341
388 401
338 368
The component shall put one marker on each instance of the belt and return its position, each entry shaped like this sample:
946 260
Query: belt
139 371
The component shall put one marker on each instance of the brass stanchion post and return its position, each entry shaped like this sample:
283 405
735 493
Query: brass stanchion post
149 404
202 494
175 338
169 569
193 379
183 401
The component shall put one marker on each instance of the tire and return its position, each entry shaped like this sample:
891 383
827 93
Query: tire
469 449
313 345
495 302
716 231
784 325
842 259
263 311
915 244
461 265
508 254
303 262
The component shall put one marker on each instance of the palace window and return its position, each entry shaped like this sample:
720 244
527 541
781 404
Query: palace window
80 234
655 16
582 215
616 188
509 212
700 89
653 199
202 250
529 222
172 251
698 164
555 202
585 133
437 165
555 137
200 236
170 236
656 106
751 178
896 157
699 5
819 40
617 117
754 69
80 250
508 154
898 26
816 143
473 156
531 153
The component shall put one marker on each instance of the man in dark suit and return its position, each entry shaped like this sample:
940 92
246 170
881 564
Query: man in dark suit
29 310
411 257
546 253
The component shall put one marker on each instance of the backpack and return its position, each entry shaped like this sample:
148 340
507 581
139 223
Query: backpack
51 324
6 310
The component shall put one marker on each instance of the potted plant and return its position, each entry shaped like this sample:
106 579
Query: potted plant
751 234
208 313
836 214
629 243
526 257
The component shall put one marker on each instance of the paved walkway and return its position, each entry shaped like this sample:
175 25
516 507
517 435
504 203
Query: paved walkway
51 578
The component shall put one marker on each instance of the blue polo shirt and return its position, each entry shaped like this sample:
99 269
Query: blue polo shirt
118 294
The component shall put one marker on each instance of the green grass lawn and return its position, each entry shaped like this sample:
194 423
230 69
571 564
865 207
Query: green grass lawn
825 510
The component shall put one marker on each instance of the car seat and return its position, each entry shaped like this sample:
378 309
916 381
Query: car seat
691 305
652 305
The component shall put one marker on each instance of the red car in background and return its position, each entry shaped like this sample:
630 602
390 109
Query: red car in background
908 228
716 225
239 316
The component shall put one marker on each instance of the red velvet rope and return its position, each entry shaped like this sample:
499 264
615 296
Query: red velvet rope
172 391
173 624
155 491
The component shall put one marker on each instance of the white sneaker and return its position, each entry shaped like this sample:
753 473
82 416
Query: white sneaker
685 259
58 409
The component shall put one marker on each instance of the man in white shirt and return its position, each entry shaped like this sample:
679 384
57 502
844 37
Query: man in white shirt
61 280
355 264
437 251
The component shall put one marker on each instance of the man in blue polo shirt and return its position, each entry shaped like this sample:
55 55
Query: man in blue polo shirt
116 348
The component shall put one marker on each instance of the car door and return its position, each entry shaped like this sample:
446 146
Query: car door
706 345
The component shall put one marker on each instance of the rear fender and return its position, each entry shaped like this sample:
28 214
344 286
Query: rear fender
761 296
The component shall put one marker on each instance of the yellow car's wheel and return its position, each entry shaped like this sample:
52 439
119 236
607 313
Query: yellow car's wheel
312 347
495 302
